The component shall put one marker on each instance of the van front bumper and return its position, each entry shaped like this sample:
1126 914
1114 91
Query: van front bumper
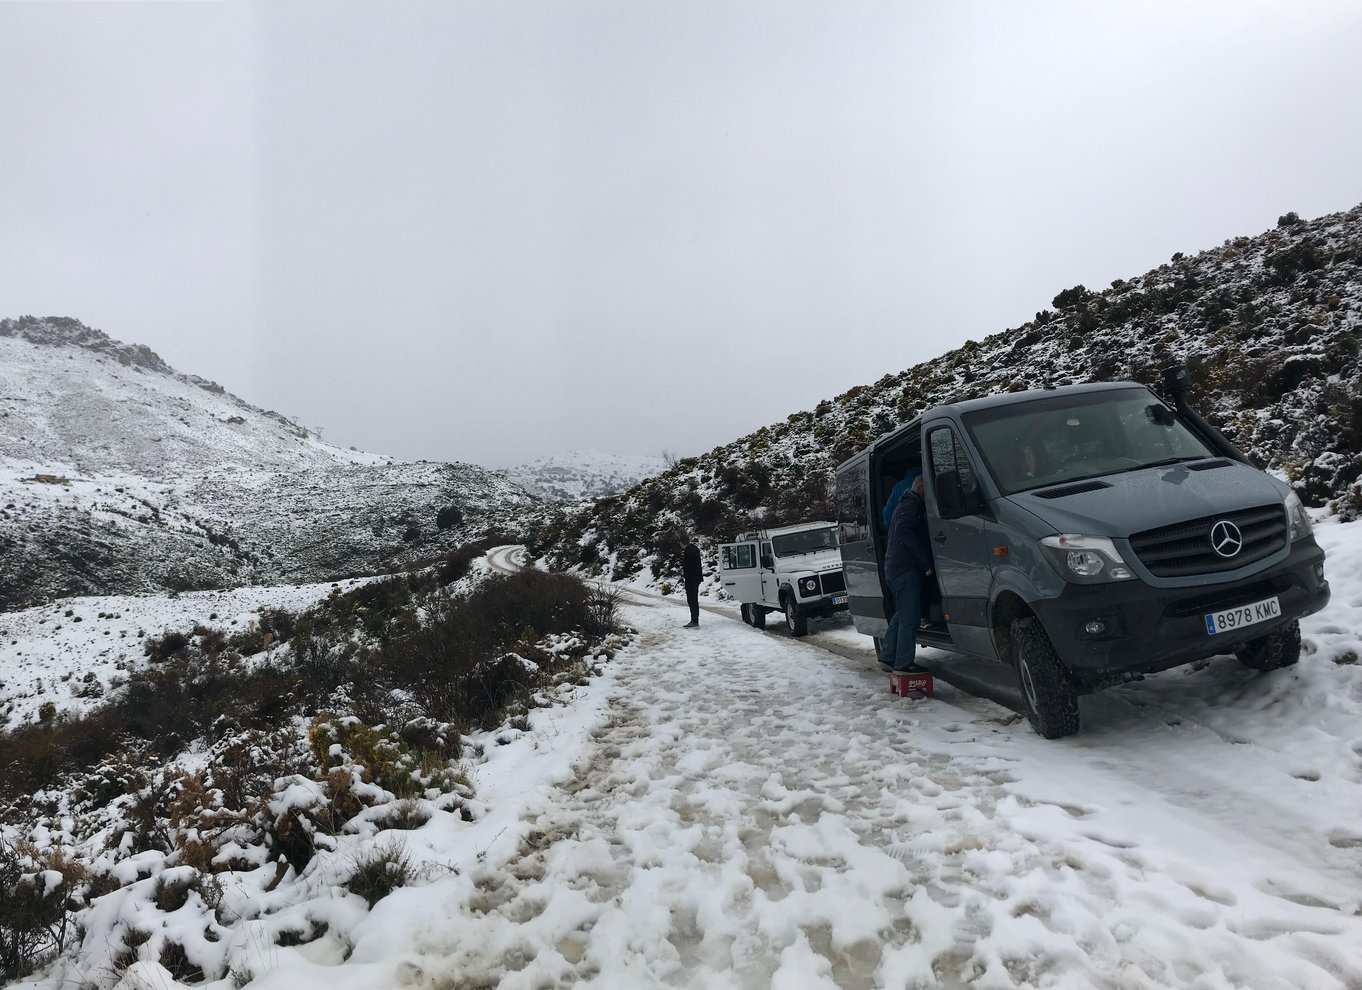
1149 629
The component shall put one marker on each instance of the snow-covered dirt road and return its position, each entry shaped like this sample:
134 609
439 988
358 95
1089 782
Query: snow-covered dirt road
754 812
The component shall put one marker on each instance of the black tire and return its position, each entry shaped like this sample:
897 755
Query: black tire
758 613
746 613
1273 651
1048 692
795 621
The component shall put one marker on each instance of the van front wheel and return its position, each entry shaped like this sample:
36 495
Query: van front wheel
796 621
1275 650
1048 692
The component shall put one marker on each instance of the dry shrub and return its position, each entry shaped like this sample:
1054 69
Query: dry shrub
381 871
39 892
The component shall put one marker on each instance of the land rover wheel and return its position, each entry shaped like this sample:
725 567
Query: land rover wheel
746 613
758 614
1048 692
796 621
1277 649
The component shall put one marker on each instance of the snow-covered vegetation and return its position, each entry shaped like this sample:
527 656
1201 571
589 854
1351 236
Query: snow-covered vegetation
255 783
1269 325
120 475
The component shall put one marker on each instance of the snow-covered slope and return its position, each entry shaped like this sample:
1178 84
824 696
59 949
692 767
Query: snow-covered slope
72 399
157 480
576 475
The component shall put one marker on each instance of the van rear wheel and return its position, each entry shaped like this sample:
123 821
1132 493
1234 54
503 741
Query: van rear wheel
1048 692
758 615
746 611
1273 651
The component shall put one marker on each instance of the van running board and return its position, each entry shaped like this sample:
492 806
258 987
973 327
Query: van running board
982 678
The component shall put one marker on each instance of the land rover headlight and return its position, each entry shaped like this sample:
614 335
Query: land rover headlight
810 585
1300 522
1086 559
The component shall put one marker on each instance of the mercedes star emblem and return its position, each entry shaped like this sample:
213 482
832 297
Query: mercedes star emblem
1226 539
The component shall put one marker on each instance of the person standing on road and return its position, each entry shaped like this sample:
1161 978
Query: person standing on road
907 561
692 571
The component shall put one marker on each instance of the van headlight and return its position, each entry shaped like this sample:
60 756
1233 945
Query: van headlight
1300 522
1086 559
809 586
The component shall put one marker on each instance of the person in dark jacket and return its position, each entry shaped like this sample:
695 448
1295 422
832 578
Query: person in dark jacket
907 562
692 571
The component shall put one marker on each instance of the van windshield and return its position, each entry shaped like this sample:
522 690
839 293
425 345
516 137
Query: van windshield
1071 437
809 541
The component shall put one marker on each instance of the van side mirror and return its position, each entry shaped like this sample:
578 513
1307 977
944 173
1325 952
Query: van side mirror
768 563
954 499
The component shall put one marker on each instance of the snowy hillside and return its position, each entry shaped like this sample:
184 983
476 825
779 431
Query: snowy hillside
1270 327
577 475
73 400
119 474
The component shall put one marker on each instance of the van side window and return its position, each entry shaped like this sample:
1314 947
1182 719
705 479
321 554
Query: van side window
947 455
852 522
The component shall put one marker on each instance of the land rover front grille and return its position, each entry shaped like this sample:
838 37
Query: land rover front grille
1187 548
834 582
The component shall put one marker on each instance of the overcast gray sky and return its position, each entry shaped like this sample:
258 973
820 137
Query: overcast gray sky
488 231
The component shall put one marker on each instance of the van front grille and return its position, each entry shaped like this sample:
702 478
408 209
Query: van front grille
1186 548
833 582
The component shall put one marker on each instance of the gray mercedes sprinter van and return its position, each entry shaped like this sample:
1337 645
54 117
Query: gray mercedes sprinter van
1086 535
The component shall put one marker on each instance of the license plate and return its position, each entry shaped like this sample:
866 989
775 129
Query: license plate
839 599
1244 615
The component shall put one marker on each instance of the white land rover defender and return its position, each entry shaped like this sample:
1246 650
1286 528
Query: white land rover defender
796 570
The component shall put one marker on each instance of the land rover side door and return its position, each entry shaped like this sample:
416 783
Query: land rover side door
958 530
738 571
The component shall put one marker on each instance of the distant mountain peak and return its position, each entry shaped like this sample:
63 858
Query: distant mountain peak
72 397
66 331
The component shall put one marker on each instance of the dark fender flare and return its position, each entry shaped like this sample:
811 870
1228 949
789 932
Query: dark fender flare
1010 597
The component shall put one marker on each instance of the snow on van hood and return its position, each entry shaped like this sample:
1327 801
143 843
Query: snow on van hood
1154 497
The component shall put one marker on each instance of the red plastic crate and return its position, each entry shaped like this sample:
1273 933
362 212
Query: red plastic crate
917 683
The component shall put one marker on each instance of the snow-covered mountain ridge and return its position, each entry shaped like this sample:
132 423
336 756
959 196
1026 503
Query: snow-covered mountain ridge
166 481
577 475
1269 326
74 399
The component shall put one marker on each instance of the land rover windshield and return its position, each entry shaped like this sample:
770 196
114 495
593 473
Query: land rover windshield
809 541
1066 438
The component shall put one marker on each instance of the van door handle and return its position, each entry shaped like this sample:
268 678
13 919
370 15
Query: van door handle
941 537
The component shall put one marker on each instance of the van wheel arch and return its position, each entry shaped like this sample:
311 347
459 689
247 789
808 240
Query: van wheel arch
1007 608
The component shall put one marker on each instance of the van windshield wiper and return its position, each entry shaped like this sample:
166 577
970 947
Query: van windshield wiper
1164 463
